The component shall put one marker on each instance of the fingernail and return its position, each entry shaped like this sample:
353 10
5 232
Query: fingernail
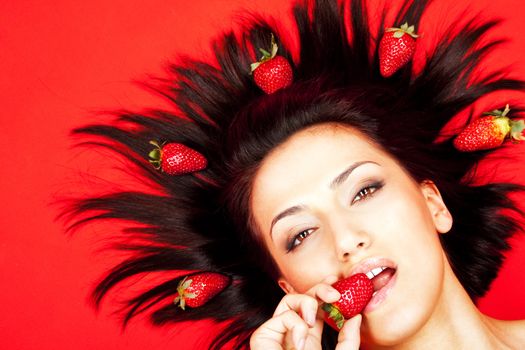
300 344
332 293
310 318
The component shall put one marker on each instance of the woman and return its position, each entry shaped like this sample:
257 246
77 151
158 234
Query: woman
377 215
338 171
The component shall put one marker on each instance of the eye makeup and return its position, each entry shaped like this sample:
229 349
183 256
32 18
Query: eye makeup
366 192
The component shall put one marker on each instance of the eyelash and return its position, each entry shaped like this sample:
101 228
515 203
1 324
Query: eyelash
368 191
365 193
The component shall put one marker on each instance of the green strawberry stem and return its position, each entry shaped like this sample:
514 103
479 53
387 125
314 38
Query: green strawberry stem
182 295
404 29
334 314
514 128
499 113
155 155
266 55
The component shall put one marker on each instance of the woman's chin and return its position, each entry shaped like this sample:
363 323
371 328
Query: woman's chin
392 322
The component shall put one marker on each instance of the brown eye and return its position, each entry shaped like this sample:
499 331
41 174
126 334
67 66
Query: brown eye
367 191
298 239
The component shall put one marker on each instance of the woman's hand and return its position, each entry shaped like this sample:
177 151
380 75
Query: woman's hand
297 322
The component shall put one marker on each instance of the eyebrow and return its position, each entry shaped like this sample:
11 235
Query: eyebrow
344 175
334 183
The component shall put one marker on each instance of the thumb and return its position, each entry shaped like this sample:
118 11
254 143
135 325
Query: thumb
349 337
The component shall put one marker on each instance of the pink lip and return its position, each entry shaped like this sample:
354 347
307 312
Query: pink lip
368 265
380 295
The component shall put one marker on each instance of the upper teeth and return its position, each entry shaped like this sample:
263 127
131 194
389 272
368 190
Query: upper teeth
375 272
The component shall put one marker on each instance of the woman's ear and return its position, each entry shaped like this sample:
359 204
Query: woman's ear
439 211
287 287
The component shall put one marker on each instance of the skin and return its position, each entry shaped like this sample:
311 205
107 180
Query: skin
376 211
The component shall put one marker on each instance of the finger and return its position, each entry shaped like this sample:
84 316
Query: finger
273 332
324 290
300 303
349 337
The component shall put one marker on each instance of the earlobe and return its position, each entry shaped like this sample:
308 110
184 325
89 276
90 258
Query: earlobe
439 211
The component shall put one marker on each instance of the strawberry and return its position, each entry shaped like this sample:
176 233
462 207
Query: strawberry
176 158
272 72
489 131
196 290
356 291
396 48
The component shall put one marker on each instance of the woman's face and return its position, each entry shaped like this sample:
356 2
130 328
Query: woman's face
329 202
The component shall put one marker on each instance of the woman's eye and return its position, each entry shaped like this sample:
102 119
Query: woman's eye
367 191
298 239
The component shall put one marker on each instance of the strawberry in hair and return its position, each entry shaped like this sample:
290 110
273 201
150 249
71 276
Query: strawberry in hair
196 290
176 158
272 72
489 131
396 48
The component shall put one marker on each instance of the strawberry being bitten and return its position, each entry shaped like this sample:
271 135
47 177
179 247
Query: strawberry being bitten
356 291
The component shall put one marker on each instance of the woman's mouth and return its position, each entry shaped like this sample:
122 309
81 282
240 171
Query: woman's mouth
383 273
383 279
380 276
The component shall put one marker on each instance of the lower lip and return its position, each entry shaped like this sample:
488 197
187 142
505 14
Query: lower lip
381 295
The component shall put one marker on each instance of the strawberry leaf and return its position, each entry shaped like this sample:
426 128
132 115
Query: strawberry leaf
265 53
497 112
398 34
186 284
154 154
274 50
254 65
404 29
155 163
334 313
154 143
517 129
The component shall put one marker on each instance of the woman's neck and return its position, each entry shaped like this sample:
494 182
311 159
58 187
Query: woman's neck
456 323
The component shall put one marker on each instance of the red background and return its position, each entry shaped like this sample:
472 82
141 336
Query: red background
60 61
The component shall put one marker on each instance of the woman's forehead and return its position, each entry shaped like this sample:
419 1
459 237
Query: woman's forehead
320 145
310 160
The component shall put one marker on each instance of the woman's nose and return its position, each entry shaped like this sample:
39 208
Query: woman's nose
350 239
346 251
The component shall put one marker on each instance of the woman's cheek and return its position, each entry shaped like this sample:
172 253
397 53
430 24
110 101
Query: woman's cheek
309 269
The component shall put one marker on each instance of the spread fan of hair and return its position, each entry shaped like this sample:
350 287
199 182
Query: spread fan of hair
202 221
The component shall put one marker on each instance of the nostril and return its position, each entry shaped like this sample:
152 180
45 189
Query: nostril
361 245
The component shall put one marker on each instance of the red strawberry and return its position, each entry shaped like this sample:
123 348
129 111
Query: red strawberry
176 158
489 131
196 290
272 72
356 291
396 48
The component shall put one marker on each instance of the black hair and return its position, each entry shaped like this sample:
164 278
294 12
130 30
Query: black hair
202 222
